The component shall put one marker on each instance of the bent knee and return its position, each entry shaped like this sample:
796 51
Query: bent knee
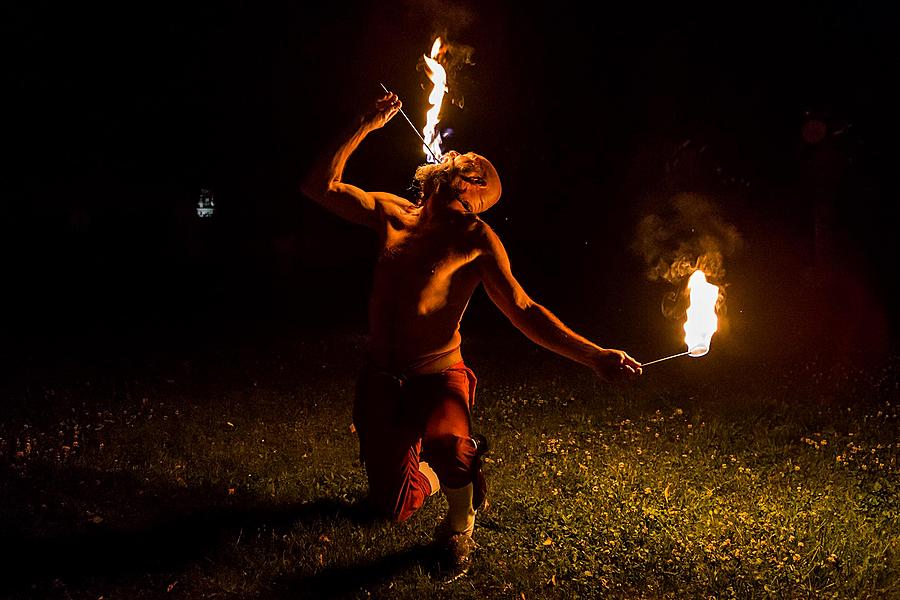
452 457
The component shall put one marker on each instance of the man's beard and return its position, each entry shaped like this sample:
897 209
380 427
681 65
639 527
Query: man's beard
435 179
429 178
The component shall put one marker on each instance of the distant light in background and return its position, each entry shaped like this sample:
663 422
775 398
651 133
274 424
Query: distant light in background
206 205
814 130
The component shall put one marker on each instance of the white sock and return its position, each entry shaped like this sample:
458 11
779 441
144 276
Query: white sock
461 514
428 472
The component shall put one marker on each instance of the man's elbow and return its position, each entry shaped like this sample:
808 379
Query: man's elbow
514 303
315 189
312 189
524 303
521 311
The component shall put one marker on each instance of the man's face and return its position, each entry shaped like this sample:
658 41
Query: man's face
475 180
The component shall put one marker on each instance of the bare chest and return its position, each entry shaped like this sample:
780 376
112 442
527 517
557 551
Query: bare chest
428 270
423 253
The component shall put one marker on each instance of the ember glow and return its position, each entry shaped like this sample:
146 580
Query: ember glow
438 76
701 321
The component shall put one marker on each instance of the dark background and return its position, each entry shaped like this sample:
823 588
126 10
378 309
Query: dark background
783 119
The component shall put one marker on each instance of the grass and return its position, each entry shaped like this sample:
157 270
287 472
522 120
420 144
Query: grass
231 473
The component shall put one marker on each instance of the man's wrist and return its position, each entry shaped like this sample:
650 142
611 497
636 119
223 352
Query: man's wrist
593 354
364 123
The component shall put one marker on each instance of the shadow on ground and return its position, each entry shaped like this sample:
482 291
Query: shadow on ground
152 530
349 580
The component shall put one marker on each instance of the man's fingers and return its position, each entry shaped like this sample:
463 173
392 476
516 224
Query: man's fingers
616 365
628 367
631 363
388 100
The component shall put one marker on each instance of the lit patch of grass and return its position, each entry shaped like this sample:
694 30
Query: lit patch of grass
202 481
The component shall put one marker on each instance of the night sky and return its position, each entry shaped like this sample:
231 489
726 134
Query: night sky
779 123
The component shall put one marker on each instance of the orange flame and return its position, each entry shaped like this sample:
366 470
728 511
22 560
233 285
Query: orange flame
701 321
438 77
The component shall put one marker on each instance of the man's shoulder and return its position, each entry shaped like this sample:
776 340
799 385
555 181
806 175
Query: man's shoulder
487 231
387 199
396 210
483 237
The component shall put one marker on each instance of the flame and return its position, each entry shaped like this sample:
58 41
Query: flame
438 77
701 321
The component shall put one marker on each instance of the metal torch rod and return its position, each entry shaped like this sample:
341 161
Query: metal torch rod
424 143
666 358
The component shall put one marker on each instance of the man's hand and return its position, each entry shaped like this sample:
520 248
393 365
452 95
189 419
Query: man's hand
325 182
385 108
614 365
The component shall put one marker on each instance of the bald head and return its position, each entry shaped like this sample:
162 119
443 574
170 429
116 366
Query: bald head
474 180
471 178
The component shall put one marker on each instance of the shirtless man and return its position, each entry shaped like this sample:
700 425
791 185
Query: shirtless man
413 401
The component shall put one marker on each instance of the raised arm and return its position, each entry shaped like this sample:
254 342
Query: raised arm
538 323
325 184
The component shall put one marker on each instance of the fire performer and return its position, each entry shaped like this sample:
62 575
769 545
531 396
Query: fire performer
413 400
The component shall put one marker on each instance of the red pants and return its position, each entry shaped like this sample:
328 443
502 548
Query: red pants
401 421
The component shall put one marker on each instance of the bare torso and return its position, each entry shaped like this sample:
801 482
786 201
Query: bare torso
432 258
424 278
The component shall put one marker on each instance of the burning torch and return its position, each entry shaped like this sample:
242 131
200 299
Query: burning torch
701 321
424 143
430 136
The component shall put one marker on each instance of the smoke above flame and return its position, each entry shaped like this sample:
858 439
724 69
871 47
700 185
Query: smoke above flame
690 235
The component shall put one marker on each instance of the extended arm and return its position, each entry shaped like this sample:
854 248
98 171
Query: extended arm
325 184
538 323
